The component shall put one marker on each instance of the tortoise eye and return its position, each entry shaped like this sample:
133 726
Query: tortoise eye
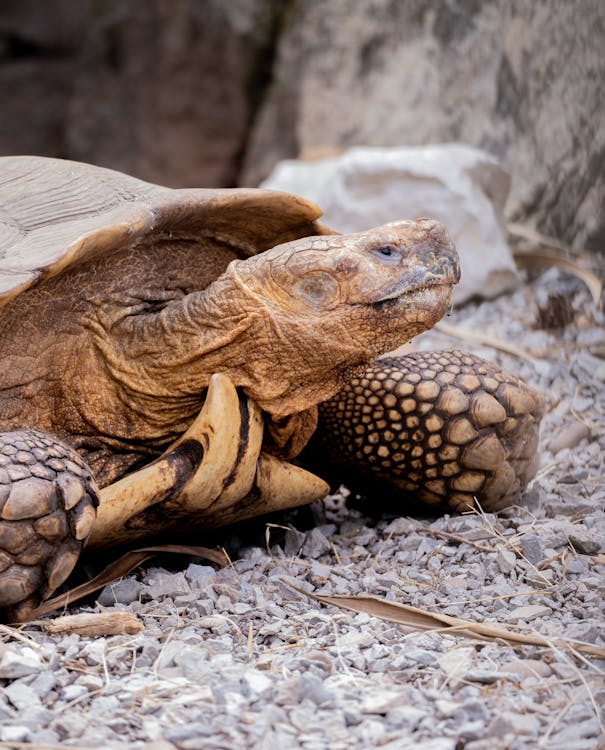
387 251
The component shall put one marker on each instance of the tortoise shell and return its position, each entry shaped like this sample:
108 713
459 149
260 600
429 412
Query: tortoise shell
56 213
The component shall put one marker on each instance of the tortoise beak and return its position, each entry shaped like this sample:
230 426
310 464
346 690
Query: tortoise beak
431 262
447 275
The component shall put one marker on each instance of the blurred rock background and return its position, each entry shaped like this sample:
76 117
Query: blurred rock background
214 93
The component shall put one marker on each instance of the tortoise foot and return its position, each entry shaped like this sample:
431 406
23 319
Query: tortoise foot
213 475
446 427
47 509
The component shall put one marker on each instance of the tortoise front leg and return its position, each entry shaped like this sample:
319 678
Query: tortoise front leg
47 509
446 427
48 497
215 474
215 457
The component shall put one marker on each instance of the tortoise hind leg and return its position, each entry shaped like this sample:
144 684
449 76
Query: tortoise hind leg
446 427
47 510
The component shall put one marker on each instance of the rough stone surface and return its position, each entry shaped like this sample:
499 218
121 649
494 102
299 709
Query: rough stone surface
490 74
213 93
162 91
463 187
38 45
18 661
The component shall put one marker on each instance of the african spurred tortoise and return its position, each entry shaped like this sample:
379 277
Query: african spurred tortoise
172 347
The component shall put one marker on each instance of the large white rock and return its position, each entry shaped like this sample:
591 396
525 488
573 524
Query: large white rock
463 187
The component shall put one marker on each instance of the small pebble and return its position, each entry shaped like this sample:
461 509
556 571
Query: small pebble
294 542
315 544
15 733
18 661
125 591
528 612
531 548
506 560
586 543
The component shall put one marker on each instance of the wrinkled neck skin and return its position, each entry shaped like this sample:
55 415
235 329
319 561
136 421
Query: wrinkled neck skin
285 361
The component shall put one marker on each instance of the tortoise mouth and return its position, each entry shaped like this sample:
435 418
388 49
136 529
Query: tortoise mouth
413 293
445 274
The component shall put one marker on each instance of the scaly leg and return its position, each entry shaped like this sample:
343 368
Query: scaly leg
446 427
47 509
215 474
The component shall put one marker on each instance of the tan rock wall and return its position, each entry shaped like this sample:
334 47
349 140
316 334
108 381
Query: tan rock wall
209 92
519 78
163 89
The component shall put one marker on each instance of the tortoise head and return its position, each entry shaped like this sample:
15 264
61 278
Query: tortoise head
330 303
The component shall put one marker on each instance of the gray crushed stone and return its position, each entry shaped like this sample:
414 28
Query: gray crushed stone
235 658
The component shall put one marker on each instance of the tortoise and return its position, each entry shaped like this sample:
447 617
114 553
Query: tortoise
164 352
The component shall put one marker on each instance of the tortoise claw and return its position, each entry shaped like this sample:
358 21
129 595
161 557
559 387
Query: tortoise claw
211 462
278 485
213 475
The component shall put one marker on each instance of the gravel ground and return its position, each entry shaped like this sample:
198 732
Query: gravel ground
236 659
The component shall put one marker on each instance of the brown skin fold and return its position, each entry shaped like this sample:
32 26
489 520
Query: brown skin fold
114 355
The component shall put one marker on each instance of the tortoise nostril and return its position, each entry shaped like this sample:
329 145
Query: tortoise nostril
428 224
439 233
431 230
